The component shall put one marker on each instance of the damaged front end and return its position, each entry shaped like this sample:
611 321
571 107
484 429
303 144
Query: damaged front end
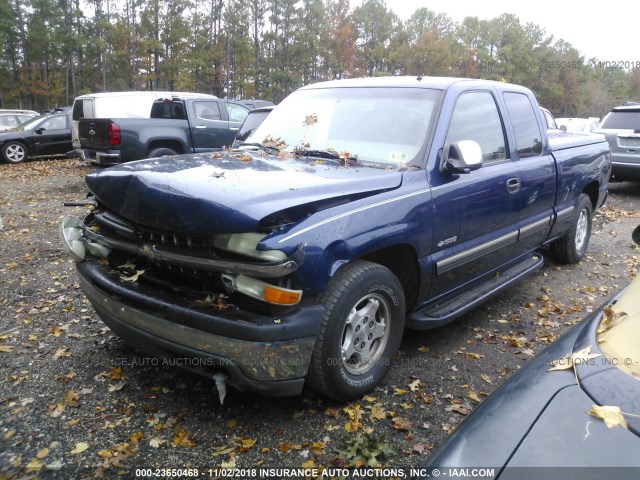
207 257
215 301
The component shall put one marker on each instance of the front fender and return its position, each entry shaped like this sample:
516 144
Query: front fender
336 236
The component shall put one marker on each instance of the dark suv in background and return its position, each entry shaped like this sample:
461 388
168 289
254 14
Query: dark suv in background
621 126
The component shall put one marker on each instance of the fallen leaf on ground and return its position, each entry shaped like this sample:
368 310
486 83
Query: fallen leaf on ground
402 424
182 439
80 447
155 442
474 396
414 385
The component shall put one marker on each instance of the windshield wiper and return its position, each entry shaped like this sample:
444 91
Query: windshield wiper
327 154
268 148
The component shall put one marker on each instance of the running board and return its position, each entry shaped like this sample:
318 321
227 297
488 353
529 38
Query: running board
449 309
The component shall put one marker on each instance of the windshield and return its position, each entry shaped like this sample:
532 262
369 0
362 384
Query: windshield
380 125
31 124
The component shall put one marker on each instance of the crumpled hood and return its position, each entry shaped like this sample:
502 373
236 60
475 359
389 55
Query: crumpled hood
213 193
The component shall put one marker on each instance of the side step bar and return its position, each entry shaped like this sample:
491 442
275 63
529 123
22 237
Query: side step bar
449 309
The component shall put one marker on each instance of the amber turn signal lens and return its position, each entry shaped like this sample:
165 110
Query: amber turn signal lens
281 297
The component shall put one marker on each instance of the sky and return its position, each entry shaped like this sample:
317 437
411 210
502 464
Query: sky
595 28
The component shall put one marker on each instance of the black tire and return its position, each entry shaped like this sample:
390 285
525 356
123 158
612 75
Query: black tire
14 152
159 152
362 298
572 247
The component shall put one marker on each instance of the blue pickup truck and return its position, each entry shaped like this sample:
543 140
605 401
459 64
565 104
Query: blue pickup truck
358 208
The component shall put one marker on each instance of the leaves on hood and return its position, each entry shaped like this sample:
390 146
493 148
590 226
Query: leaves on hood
612 416
610 317
310 120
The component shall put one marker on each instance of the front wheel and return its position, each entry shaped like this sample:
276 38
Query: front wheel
14 152
360 333
572 247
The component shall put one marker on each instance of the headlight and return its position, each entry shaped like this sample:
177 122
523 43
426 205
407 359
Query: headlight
246 244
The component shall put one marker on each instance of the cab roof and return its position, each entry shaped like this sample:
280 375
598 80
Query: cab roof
440 83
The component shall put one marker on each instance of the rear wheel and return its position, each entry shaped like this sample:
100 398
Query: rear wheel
572 247
159 152
360 333
14 152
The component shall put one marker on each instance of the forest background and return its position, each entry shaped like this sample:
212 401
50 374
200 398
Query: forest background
54 50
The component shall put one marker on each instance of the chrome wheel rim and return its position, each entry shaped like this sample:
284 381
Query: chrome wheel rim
365 334
582 228
15 153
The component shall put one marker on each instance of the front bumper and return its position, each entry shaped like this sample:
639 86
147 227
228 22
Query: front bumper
265 354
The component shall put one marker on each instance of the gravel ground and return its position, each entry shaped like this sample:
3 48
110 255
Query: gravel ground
75 402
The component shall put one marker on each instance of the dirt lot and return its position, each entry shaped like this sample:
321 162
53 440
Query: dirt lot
76 403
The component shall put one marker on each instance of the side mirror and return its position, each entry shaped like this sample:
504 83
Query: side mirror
40 130
563 128
462 157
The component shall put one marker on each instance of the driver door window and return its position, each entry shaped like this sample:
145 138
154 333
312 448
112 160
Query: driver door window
475 117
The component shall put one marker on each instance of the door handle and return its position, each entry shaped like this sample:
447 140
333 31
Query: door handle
200 126
513 185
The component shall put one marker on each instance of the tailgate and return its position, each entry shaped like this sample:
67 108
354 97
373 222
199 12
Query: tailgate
94 133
